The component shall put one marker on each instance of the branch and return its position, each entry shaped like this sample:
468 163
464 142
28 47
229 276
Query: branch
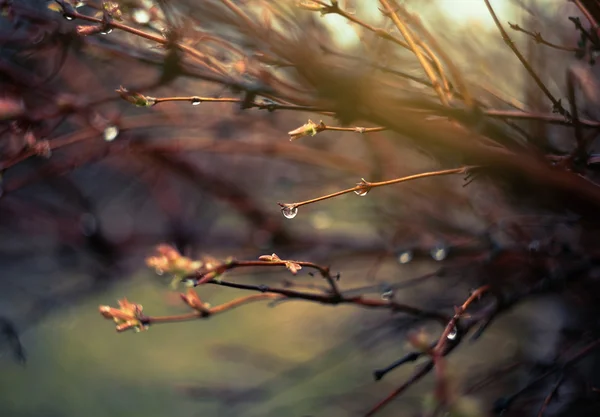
537 37
290 210
556 104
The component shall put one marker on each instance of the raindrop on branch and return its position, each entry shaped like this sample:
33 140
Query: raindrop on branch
439 252
111 133
196 101
289 212
364 188
405 257
106 31
453 333
387 292
67 17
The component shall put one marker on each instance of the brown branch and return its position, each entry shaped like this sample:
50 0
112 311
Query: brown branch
586 13
550 396
556 105
538 38
202 58
410 39
209 311
364 187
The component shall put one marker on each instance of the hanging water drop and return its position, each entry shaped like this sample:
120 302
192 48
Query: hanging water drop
190 282
67 17
387 294
439 252
453 333
405 257
106 31
362 192
111 133
289 212
196 101
363 189
159 271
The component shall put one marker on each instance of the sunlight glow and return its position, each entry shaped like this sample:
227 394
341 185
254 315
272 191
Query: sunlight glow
472 11
459 12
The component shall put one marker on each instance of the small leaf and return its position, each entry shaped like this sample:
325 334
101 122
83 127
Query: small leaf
270 258
310 128
55 7
192 299
293 267
127 316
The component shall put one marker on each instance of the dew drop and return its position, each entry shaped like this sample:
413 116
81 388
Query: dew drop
364 188
439 252
106 32
387 294
189 282
141 16
196 101
289 212
405 257
111 133
453 333
67 17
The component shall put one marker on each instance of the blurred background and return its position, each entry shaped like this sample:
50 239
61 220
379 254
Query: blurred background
90 184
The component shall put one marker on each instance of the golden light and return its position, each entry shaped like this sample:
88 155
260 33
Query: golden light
472 11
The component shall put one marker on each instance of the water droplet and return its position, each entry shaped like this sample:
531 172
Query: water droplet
189 282
141 16
196 101
106 32
387 294
439 252
289 212
67 17
453 333
364 188
159 271
111 133
405 257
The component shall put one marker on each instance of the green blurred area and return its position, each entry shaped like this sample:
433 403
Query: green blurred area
295 359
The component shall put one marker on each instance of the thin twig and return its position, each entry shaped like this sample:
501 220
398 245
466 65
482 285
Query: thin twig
538 38
367 186
556 105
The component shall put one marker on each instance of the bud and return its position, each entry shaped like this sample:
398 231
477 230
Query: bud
310 128
87 30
